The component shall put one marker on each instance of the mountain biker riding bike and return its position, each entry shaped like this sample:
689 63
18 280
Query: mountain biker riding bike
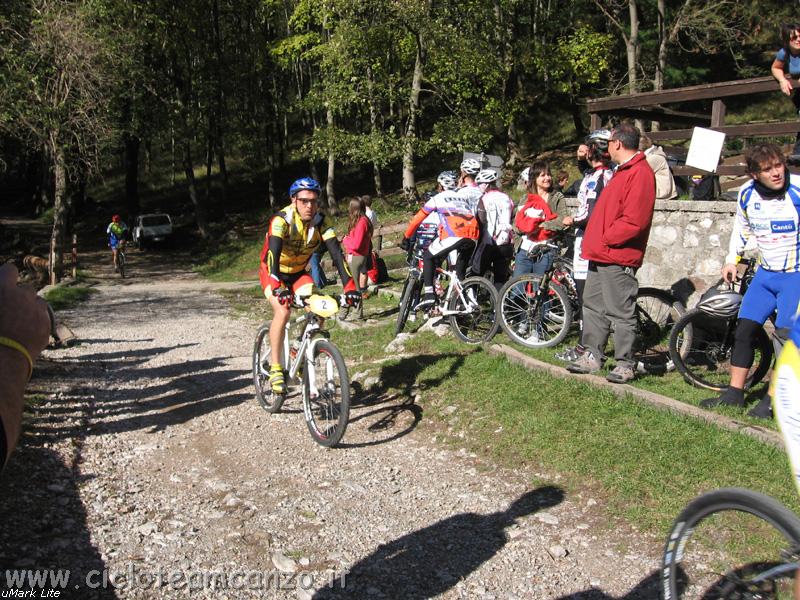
458 228
768 211
294 234
117 232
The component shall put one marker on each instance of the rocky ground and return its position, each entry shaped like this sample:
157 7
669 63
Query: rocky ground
148 470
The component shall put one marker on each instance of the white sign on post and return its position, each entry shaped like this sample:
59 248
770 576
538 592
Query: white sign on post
705 149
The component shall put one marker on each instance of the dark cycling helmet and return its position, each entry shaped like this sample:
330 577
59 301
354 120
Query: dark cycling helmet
304 183
486 176
720 303
448 180
599 138
470 166
116 219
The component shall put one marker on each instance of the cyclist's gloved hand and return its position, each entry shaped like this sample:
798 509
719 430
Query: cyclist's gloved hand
283 295
352 298
405 244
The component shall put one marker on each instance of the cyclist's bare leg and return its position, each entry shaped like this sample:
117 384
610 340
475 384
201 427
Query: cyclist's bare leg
280 319
114 258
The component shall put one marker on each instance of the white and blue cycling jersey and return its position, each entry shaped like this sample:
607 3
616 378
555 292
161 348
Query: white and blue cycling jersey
773 223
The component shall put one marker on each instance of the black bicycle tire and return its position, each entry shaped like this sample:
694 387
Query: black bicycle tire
763 344
454 319
412 282
334 436
675 306
563 298
121 263
706 505
268 400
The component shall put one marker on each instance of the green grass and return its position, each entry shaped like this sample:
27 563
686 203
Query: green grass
64 297
232 261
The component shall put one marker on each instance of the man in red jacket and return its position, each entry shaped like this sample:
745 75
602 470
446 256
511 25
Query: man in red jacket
614 244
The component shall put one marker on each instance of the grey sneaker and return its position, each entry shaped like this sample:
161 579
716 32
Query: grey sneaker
586 363
621 374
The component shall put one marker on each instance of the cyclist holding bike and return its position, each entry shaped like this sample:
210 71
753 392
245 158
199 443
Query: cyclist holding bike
117 232
767 212
294 234
458 228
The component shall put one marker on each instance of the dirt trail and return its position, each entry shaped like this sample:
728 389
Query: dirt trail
146 455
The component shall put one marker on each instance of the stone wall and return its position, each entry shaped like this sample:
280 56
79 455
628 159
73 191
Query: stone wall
688 244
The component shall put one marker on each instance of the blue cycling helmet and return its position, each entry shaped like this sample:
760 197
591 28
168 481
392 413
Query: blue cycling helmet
304 183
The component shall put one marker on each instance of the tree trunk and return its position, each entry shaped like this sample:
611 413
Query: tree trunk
409 180
270 151
373 124
632 47
209 158
61 208
661 62
330 190
132 144
188 169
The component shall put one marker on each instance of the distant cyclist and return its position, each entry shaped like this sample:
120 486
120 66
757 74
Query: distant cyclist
458 229
294 234
117 232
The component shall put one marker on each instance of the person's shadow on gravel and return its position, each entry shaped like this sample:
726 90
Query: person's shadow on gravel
646 589
430 561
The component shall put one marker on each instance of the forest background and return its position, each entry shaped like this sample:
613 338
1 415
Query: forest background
366 95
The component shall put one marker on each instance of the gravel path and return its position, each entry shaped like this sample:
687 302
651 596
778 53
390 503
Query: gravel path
146 455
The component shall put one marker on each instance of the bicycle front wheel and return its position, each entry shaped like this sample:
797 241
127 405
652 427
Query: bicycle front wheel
700 346
476 321
731 543
534 318
411 290
326 394
657 311
262 358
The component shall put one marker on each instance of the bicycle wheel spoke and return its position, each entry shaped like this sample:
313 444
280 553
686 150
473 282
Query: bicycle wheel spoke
326 396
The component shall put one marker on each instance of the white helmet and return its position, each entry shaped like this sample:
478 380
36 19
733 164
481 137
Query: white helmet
600 138
448 180
720 303
486 176
525 175
470 166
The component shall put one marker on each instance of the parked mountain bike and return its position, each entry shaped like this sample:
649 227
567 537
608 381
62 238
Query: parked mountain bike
701 342
537 311
469 305
731 543
312 361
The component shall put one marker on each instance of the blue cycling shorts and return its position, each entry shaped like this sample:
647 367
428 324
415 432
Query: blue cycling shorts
772 290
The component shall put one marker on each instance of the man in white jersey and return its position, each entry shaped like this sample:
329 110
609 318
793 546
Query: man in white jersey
767 211
495 213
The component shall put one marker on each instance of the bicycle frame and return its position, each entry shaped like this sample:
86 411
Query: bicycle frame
312 333
455 284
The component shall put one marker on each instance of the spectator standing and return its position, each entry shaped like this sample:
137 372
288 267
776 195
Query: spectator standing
786 67
495 213
657 159
373 219
356 245
595 179
614 243
562 181
543 214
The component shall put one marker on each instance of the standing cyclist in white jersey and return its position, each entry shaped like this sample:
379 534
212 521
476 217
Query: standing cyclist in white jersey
495 213
767 211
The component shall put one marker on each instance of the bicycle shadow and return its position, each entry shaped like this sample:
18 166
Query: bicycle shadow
432 560
386 419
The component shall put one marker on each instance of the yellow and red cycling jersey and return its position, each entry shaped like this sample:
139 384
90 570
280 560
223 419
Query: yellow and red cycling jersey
300 241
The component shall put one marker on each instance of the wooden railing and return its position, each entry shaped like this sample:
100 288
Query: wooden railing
648 106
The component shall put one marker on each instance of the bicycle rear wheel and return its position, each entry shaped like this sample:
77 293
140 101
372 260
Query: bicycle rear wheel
657 311
531 318
326 394
408 298
731 543
121 263
476 321
262 358
700 346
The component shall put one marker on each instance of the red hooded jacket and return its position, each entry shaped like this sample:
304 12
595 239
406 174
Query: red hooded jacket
619 227
531 216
